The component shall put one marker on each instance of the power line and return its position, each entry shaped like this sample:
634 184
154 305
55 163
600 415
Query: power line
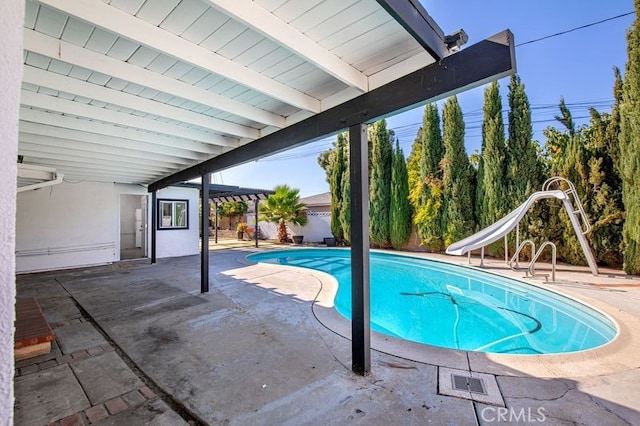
575 29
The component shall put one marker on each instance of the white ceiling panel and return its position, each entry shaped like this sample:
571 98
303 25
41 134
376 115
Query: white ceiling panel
164 84
122 49
50 22
204 26
183 15
30 14
155 11
77 32
101 41
129 6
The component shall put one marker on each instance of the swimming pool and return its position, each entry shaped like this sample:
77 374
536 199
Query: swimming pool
442 304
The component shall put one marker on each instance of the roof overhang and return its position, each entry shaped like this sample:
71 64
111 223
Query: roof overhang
473 66
133 91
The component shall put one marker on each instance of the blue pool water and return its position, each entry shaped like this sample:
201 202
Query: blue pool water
441 304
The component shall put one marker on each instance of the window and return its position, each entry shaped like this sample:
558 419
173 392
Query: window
173 214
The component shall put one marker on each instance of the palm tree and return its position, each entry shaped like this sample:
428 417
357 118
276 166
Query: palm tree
283 207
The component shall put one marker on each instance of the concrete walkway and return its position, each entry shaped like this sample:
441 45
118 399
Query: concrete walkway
138 344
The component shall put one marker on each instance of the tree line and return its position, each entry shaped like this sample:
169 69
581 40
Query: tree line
446 195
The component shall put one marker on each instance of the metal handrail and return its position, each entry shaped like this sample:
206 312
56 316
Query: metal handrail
532 264
514 258
573 195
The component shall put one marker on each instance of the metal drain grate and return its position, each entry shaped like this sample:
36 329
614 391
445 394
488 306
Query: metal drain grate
470 384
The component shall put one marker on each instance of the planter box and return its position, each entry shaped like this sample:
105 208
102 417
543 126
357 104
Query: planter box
330 241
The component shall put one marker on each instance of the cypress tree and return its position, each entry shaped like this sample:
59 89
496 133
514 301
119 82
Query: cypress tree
380 183
458 176
490 191
522 168
429 211
413 172
338 167
584 156
630 147
400 214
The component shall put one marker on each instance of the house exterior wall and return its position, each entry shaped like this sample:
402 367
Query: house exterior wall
179 242
66 225
78 224
11 22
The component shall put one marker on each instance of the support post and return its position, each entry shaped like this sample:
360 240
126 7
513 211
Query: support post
359 181
215 224
255 228
154 224
204 216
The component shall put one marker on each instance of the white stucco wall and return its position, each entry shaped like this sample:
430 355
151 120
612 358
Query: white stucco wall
11 21
66 225
317 228
78 224
180 242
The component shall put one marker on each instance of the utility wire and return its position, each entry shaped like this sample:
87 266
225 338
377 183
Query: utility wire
574 29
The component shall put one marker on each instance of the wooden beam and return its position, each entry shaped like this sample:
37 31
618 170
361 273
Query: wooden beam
474 66
269 25
135 139
76 55
125 25
414 18
62 83
52 103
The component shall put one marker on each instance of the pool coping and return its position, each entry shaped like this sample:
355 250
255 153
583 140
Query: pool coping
617 355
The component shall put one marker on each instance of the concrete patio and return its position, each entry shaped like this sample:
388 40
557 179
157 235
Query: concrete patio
138 344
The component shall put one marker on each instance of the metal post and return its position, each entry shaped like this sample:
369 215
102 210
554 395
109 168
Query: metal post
204 220
255 228
506 249
481 256
215 224
359 180
154 225
518 242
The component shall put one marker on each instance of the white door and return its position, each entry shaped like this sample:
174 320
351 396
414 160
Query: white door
138 228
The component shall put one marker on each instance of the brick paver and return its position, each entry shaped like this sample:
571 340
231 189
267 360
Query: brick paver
74 420
48 364
80 355
29 369
96 413
116 405
134 398
147 393
96 350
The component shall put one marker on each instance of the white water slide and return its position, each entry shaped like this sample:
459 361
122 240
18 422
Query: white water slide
505 225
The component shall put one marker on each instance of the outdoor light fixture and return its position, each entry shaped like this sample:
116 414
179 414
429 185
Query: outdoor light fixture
456 40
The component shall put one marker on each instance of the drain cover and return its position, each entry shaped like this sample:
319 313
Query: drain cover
470 384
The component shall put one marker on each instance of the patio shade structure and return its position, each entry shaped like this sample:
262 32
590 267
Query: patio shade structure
158 92
224 193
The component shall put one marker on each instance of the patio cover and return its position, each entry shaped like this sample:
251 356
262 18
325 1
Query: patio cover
131 91
158 92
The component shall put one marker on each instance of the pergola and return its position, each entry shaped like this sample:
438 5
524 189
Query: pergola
158 92
222 194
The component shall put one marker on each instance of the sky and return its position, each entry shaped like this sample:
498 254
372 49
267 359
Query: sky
578 66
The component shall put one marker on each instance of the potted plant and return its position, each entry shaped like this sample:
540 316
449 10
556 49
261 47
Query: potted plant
242 226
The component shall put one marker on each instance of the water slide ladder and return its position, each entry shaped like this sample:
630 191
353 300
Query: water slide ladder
577 216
